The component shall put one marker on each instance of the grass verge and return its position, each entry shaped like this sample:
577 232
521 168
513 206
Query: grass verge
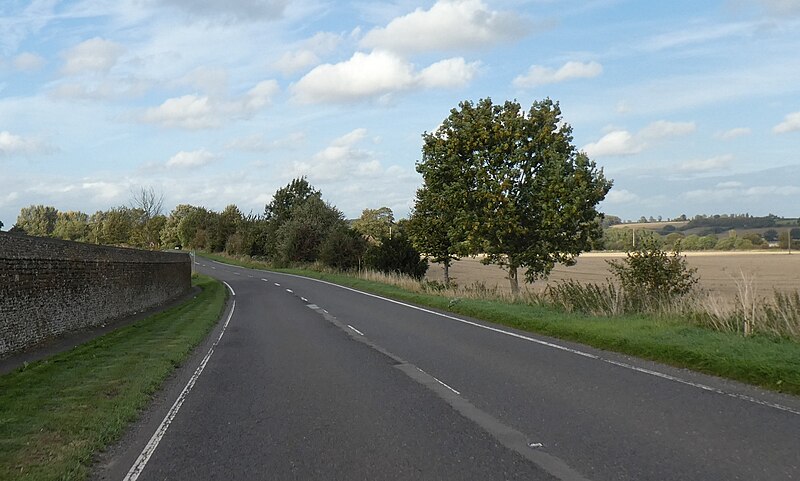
769 362
56 413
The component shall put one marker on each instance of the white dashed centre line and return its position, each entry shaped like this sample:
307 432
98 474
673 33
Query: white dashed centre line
356 330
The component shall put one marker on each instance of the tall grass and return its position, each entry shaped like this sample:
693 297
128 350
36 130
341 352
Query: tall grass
747 314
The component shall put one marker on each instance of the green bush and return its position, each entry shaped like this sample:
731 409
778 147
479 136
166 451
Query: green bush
396 255
649 275
343 249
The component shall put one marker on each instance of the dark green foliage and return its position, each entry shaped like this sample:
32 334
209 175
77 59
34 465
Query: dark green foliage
396 255
512 186
343 249
722 223
309 224
431 228
285 198
651 274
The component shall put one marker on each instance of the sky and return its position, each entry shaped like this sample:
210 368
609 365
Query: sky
690 107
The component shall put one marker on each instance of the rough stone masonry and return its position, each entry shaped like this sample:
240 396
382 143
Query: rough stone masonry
50 287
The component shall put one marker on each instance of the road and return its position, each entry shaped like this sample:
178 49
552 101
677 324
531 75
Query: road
314 381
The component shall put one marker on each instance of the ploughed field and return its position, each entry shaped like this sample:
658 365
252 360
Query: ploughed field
719 272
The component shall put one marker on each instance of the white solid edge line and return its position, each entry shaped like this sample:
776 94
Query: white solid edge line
229 287
150 447
661 375
357 331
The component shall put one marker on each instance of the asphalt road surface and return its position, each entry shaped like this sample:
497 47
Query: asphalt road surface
314 381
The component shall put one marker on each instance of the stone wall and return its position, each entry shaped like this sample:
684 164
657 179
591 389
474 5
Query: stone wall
50 287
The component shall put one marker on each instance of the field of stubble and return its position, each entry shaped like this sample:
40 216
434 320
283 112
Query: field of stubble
718 271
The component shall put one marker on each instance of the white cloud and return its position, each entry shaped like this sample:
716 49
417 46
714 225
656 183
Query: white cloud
622 142
194 158
93 55
103 190
375 74
448 73
616 142
27 62
540 75
731 184
188 112
791 123
257 143
712 164
11 144
698 34
202 112
213 81
308 54
340 160
296 60
100 90
231 10
781 7
620 196
448 25
662 129
256 98
733 133
752 194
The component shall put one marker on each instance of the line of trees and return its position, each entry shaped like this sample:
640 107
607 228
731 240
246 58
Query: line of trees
297 227
620 239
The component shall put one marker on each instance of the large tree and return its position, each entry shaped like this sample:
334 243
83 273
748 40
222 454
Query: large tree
518 191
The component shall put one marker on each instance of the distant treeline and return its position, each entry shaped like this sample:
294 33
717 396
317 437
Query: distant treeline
727 222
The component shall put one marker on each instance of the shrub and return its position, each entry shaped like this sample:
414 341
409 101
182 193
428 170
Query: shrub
649 275
396 255
343 249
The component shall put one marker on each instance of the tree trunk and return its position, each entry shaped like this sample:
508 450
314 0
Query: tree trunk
512 277
447 274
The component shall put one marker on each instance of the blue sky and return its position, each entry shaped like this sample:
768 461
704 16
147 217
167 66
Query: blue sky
691 107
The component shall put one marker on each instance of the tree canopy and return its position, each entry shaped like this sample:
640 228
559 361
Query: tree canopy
510 184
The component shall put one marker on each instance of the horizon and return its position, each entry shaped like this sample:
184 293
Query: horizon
690 108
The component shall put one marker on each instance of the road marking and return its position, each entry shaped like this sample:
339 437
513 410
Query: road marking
150 447
265 280
357 331
290 291
445 385
277 284
438 380
213 267
229 287
312 306
250 276
304 299
236 274
661 375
